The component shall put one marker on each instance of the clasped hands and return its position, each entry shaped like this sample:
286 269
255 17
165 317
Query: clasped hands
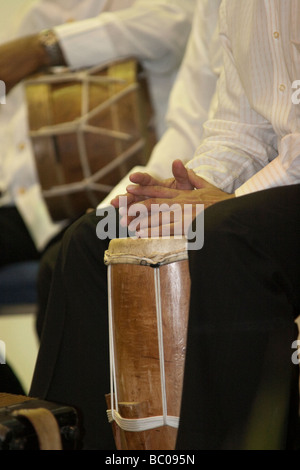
162 205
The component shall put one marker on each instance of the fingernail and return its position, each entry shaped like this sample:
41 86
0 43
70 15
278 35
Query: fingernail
131 187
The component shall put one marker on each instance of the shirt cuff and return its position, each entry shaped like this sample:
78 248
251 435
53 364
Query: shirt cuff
86 43
274 174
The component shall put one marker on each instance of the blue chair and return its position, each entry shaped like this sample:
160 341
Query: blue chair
18 296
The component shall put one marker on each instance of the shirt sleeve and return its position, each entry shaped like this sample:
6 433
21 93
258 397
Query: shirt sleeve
188 105
193 91
240 151
154 32
283 170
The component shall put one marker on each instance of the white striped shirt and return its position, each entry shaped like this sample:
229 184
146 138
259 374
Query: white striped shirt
253 141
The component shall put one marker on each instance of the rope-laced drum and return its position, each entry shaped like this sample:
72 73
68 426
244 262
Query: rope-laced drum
148 291
88 129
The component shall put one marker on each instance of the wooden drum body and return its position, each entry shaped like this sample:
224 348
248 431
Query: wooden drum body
149 289
88 130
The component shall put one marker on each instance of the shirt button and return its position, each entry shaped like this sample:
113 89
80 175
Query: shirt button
21 145
282 87
276 35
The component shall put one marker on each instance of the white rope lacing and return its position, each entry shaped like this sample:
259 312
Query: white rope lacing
80 127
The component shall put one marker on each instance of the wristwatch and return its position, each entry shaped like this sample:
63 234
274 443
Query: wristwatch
49 41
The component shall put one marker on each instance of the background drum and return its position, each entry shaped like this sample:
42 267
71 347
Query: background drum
149 289
88 129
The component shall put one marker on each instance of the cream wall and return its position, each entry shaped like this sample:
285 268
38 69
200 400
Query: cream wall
17 331
9 10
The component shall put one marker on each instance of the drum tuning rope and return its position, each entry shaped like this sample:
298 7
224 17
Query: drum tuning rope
80 127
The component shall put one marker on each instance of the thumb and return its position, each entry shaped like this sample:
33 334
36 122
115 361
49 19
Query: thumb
197 181
181 176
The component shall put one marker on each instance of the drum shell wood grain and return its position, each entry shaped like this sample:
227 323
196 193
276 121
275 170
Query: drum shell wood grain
136 340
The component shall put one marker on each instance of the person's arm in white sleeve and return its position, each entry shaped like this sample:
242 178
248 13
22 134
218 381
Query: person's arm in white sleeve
189 100
283 170
192 94
155 31
240 151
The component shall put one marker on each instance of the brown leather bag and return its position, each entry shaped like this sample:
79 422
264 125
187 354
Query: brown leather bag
30 424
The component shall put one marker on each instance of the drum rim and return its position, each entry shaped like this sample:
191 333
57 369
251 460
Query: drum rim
146 251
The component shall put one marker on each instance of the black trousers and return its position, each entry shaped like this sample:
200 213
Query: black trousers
15 241
15 245
241 385
245 297
72 364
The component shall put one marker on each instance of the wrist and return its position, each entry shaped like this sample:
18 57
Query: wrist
50 52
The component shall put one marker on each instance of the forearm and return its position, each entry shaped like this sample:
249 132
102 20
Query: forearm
22 57
134 31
